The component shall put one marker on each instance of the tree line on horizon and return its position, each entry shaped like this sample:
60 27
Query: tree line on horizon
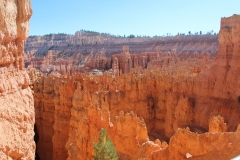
135 36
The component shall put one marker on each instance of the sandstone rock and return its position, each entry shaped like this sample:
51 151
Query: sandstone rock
125 129
66 54
98 99
93 43
16 99
167 99
115 67
203 146
217 124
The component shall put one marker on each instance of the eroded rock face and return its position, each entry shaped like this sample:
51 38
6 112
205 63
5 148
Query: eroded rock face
90 115
120 63
179 106
224 73
16 99
82 104
203 146
216 124
94 43
57 52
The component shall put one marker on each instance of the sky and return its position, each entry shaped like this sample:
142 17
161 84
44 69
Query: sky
125 17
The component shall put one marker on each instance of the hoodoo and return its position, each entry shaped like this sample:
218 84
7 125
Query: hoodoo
172 98
172 108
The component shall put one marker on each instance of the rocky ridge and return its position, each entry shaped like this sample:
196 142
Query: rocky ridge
87 43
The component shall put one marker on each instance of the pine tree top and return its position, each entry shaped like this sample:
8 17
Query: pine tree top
104 149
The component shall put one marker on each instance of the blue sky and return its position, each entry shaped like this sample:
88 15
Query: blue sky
125 17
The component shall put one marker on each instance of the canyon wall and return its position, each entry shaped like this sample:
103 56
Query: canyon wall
117 63
93 43
188 109
16 99
47 56
82 105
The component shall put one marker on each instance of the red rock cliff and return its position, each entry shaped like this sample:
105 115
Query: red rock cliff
16 99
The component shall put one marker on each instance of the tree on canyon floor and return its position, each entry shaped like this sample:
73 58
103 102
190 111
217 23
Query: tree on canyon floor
104 149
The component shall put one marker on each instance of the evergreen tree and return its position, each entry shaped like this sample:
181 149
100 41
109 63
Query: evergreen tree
104 149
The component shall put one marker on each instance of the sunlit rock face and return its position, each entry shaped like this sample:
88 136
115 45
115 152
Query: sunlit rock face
176 111
59 52
16 99
223 76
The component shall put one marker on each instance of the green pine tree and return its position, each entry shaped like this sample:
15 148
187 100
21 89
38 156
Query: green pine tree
104 149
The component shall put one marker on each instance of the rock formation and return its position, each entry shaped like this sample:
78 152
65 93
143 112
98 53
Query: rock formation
217 124
71 120
58 53
203 146
16 99
174 109
93 43
119 63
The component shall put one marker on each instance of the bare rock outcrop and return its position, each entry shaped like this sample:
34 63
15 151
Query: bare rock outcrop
16 99
223 75
179 105
123 129
78 114
83 104
216 124
122 62
203 146
94 43
59 52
